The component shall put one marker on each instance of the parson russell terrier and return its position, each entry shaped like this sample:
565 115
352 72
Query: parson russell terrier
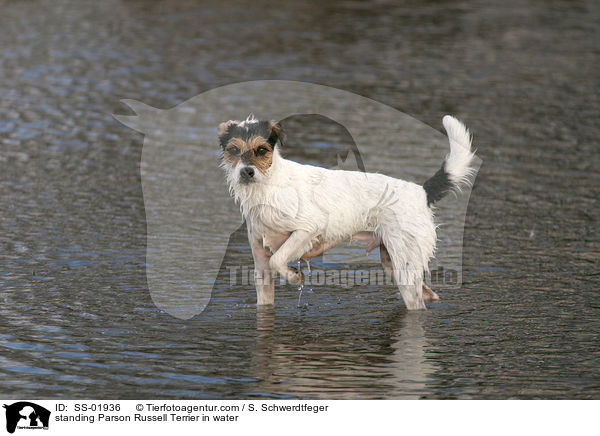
296 211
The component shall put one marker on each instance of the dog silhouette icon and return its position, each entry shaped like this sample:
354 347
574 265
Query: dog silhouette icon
27 414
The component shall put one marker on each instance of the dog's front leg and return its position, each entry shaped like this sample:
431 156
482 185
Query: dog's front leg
263 275
292 249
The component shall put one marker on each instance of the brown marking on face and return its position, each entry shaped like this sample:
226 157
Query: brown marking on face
256 151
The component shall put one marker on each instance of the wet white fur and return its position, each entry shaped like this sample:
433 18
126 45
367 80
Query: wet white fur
293 207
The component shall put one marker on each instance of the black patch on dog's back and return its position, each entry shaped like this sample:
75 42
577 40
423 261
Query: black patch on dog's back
437 186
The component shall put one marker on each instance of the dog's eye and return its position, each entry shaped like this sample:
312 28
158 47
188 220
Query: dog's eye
261 151
234 151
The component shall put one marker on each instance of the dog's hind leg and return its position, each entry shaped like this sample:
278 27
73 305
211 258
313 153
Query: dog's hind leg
428 294
386 261
412 294
407 272
263 276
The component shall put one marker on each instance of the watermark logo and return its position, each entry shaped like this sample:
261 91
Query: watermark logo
190 214
26 415
369 275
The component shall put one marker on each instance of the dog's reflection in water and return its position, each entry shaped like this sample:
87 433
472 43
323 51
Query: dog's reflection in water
298 357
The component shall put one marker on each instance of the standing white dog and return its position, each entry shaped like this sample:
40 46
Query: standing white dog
296 211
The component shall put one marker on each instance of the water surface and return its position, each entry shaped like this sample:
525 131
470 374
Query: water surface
76 318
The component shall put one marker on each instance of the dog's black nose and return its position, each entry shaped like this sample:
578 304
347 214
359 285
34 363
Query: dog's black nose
246 174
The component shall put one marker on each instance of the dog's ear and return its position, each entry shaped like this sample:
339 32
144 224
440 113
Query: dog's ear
276 133
223 131
224 127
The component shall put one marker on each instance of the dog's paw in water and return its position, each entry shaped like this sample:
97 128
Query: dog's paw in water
295 276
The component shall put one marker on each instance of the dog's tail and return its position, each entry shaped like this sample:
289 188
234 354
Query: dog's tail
456 170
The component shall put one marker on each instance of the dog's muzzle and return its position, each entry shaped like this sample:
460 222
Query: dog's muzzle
247 175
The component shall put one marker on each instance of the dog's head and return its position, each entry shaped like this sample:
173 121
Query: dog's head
248 149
